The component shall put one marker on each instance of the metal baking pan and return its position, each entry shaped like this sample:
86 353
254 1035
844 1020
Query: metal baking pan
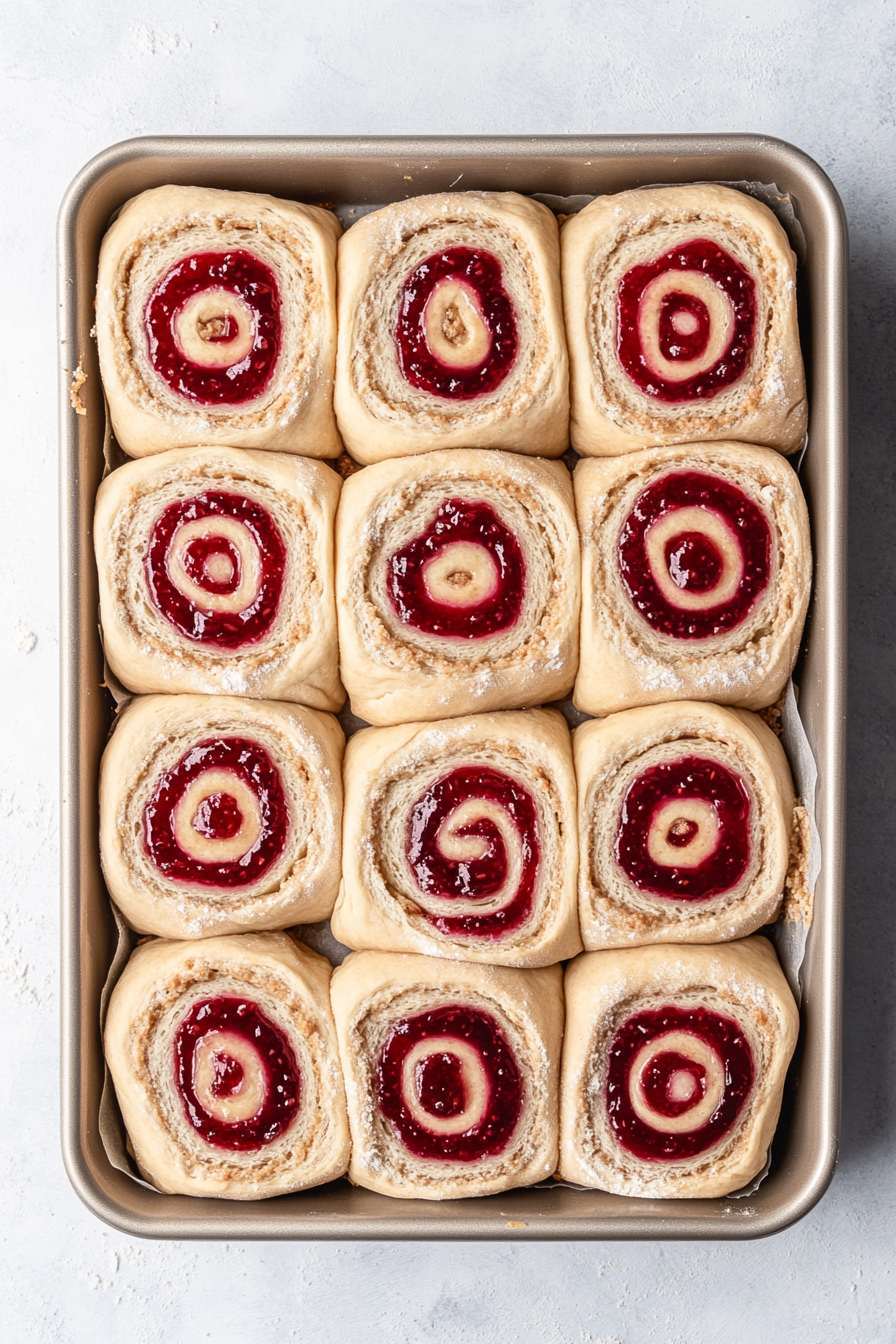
343 171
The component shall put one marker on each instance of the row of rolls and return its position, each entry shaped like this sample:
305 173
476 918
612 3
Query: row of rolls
459 319
493 838
456 581
246 1068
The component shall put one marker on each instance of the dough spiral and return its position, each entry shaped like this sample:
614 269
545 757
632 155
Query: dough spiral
457 585
459 840
673 1068
681 319
685 814
219 815
450 1073
451 328
224 1058
216 575
696 572
216 322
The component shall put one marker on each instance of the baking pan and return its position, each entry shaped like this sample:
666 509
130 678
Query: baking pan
351 171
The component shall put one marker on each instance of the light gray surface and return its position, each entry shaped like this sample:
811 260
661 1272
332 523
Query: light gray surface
76 79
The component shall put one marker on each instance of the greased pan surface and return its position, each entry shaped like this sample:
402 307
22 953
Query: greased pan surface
354 171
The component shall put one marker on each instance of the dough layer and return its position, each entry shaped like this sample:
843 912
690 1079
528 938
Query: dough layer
159 228
161 983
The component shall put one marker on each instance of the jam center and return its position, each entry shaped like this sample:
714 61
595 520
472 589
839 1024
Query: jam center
694 561
456 334
686 322
213 327
695 555
684 830
228 1076
439 1080
672 1083
219 817
213 563
464 577
236 1073
677 1081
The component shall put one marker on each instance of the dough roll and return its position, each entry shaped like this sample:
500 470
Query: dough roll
696 572
460 840
681 320
220 815
216 322
450 1073
216 575
457 585
674 1062
685 816
451 328
224 1059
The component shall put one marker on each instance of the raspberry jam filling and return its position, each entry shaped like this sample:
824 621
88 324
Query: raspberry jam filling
463 578
236 1073
449 1085
684 830
215 568
473 841
686 322
456 331
677 1080
213 327
695 554
219 817
214 563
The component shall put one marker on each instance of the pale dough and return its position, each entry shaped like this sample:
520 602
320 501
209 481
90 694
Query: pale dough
387 770
151 736
610 413
159 986
380 413
371 991
158 229
739 980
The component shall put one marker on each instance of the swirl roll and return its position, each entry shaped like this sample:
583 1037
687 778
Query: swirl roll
674 1062
681 320
450 1073
216 575
220 815
216 322
451 328
685 813
457 585
224 1058
459 840
696 572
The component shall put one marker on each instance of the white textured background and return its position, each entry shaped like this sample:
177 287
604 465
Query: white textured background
79 76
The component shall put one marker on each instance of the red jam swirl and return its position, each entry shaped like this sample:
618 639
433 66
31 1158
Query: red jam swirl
218 816
272 1055
480 272
458 520
225 629
733 1065
441 1090
694 561
236 272
736 283
447 878
691 777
